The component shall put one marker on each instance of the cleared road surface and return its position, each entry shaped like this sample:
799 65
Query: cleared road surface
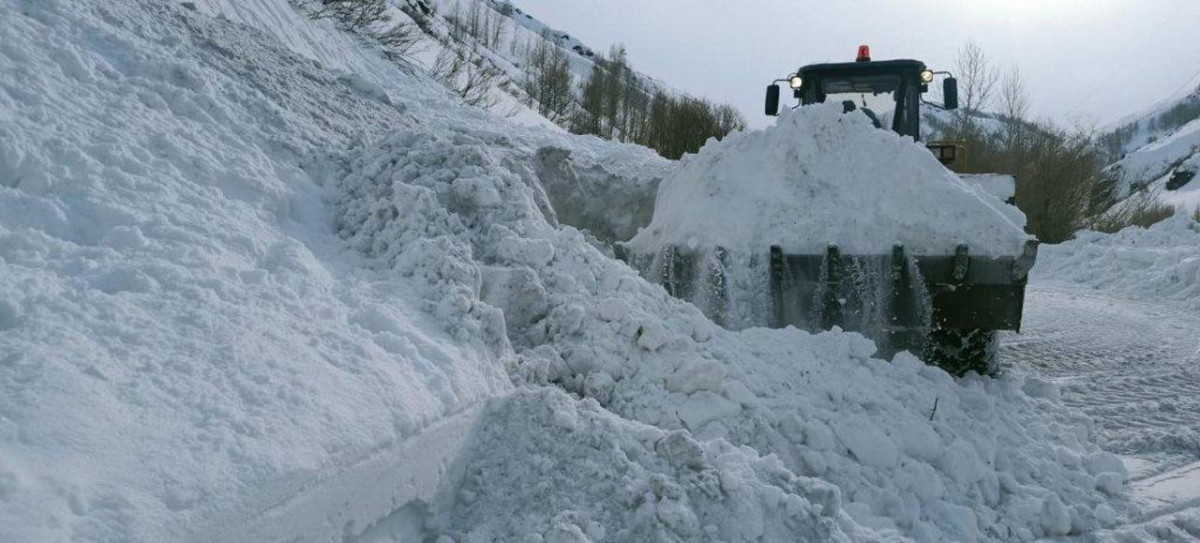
1134 366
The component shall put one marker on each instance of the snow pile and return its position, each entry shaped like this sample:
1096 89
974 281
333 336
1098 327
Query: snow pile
185 346
1160 262
457 209
910 449
545 464
818 177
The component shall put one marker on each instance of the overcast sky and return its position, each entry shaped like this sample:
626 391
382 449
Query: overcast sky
1091 61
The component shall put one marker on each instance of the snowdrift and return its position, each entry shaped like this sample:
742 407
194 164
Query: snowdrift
248 298
1156 263
819 176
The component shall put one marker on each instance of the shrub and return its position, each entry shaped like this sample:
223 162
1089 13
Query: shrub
1143 209
615 104
369 18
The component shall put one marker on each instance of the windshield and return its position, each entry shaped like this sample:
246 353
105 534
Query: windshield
876 93
877 84
889 90
865 94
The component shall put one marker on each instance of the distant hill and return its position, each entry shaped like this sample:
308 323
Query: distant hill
1158 152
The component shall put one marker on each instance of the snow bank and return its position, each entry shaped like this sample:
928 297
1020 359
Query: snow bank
911 450
1160 262
818 177
184 343
548 465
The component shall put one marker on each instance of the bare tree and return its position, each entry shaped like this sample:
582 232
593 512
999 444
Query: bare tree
454 17
467 72
1014 100
548 80
618 64
1143 209
370 18
1014 108
448 66
978 80
635 104
589 118
497 29
351 15
400 39
476 22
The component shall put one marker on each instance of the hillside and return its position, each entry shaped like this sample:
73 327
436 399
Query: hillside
508 38
1159 152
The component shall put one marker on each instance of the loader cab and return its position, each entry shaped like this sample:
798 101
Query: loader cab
889 91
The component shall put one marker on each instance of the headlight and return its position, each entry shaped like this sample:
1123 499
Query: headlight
795 81
927 76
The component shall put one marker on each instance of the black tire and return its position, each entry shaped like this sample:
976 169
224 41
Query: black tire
962 351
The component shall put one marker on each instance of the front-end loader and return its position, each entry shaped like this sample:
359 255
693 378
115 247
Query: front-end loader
946 308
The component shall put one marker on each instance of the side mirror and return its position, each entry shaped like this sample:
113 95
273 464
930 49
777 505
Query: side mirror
950 93
772 100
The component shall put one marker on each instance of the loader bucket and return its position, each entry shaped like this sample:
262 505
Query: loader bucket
896 299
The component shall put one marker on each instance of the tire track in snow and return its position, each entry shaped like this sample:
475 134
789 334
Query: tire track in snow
1133 366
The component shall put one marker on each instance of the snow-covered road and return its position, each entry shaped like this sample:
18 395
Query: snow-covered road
1134 367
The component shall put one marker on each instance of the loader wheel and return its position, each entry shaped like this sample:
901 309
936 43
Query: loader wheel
961 351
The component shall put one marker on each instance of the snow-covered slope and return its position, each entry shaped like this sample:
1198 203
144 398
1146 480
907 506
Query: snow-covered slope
1159 152
502 38
1158 121
186 345
582 58
257 283
184 334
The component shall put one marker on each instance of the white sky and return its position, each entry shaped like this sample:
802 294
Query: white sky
1089 61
